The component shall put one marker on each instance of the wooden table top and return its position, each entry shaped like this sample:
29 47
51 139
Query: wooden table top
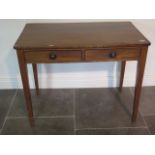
79 35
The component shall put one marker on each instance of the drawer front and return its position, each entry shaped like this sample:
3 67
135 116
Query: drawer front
52 56
112 55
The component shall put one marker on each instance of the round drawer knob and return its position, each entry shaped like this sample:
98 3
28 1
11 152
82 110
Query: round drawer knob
52 56
112 54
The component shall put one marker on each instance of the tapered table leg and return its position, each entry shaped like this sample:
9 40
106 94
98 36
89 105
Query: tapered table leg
139 80
35 72
123 64
26 88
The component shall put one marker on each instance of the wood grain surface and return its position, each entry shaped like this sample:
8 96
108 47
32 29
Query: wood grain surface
79 35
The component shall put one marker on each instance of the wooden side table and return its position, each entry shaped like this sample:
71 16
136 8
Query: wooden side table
80 42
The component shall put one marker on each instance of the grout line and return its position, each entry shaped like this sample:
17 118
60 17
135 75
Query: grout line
132 93
149 115
16 117
112 128
61 116
74 110
12 101
146 125
20 117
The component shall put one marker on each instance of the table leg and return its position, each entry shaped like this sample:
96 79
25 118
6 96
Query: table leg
123 64
35 72
26 88
139 80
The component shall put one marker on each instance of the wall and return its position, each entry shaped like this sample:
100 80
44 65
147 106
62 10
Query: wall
70 75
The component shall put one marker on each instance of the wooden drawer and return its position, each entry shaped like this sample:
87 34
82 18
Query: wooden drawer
112 54
53 56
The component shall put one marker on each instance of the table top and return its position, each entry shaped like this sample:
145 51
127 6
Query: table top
79 35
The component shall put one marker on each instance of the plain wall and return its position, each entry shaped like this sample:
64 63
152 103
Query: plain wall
74 75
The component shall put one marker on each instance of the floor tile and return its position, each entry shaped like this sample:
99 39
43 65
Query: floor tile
6 97
150 120
43 126
17 127
147 102
105 108
18 108
114 131
54 102
56 126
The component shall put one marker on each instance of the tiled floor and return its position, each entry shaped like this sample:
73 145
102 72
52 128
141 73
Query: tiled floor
78 111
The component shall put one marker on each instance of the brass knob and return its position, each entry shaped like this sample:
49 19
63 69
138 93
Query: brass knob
52 56
113 55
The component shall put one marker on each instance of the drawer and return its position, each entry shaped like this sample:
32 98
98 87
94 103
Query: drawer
112 54
53 56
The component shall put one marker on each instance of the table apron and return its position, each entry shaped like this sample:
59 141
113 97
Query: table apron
91 55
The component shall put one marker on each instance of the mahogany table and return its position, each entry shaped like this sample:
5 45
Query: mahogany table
80 42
